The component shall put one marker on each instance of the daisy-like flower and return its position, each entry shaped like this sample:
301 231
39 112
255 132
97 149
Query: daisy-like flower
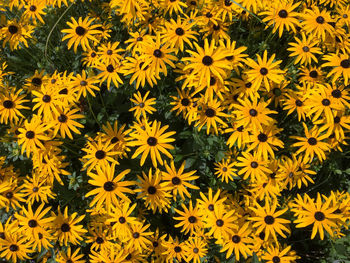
268 220
142 105
99 154
341 66
138 237
155 193
179 32
304 50
65 122
174 250
207 204
178 180
109 53
35 189
108 187
70 256
10 104
16 33
195 249
32 135
238 242
221 223
14 247
81 32
83 84
282 15
312 144
190 220
279 254
207 61
110 73
264 70
66 227
34 10
225 169
321 214
151 140
317 22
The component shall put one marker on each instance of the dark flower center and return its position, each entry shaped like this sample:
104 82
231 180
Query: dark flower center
152 190
312 141
80 31
9 195
209 15
155 244
276 259
313 74
207 60
65 227
192 219
46 98
209 113
306 49
179 31
264 71
93 54
216 27
176 180
13 247
122 220
291 174
114 140
185 102
262 137
254 164
35 189
100 154
32 8
253 112
336 119
320 20
139 39
236 239
326 102
195 250
283 13
319 216
345 16
32 223
99 240
62 118
345 63
13 29
219 222
109 52
224 169
211 207
110 68
177 249
152 141
157 53
298 103
272 175
336 93
83 83
8 104
30 134
108 186
269 220
193 3
136 235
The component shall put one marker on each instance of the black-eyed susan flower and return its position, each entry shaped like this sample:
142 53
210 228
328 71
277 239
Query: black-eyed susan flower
174 249
34 10
221 222
304 50
312 144
279 254
190 219
143 105
195 249
225 170
264 71
11 103
341 66
151 140
110 73
282 15
207 61
267 219
178 180
321 214
84 84
15 247
70 256
16 33
109 188
208 204
35 190
138 237
66 227
66 122
81 32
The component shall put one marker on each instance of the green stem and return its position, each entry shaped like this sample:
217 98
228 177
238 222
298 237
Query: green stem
92 112
54 26
103 103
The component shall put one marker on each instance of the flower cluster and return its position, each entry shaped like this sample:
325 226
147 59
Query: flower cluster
97 167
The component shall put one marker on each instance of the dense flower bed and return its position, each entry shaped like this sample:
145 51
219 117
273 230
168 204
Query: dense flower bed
174 131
